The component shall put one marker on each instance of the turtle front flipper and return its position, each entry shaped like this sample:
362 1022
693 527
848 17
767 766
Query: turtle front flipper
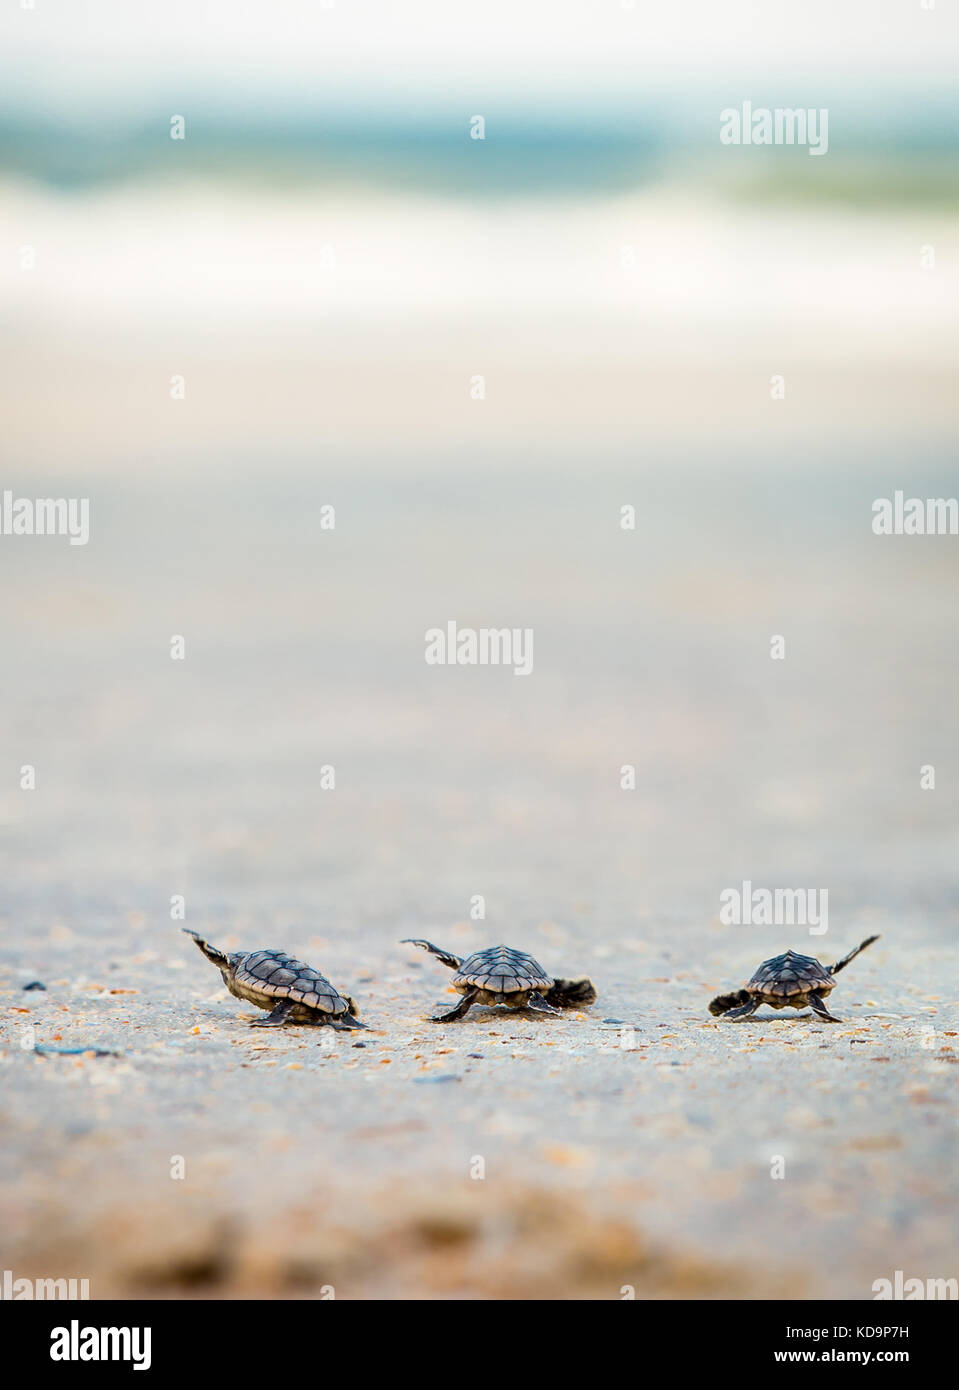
744 1010
345 1023
461 1009
279 1014
724 1002
571 994
538 1003
219 958
818 1005
454 962
841 964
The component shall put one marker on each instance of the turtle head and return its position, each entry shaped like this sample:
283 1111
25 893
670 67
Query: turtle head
724 1002
571 994
219 958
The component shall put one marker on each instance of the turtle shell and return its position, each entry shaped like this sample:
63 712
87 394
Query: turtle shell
276 975
501 970
783 976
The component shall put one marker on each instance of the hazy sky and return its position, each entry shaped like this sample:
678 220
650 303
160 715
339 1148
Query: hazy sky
66 52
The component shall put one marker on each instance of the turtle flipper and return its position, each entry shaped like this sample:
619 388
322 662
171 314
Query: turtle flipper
219 958
841 964
570 994
460 1011
279 1014
744 1010
454 962
819 1006
345 1023
724 1002
349 1019
540 1004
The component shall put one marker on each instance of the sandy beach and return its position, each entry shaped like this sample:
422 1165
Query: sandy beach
630 1146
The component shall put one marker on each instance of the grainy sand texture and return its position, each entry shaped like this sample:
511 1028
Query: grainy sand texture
637 1144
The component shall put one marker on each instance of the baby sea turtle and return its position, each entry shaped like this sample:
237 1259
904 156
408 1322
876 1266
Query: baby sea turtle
294 992
791 981
501 975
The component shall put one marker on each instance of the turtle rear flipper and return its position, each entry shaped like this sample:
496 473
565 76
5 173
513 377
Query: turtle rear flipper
218 958
724 1002
460 1011
841 964
454 962
571 994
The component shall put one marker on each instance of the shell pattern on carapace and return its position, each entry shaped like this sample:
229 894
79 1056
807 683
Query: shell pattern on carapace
502 970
